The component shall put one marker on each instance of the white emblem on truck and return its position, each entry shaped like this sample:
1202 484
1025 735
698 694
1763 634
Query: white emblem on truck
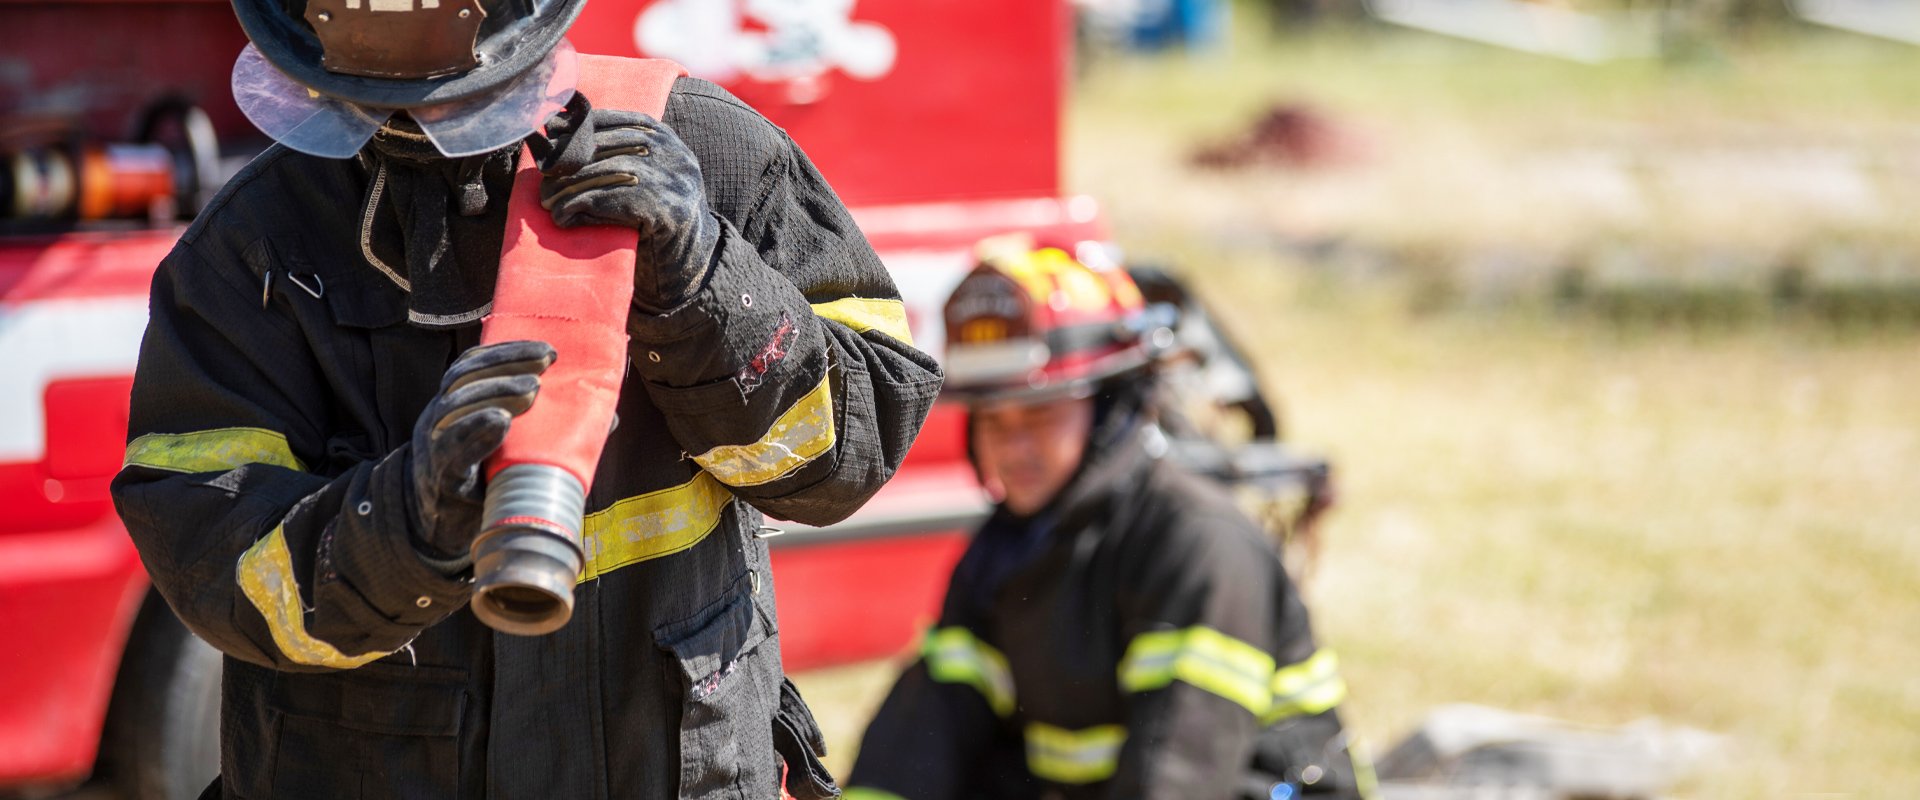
788 40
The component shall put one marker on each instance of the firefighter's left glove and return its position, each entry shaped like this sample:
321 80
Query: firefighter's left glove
480 395
606 167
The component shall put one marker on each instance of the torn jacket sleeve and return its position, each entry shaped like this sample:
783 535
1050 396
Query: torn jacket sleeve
790 376
266 544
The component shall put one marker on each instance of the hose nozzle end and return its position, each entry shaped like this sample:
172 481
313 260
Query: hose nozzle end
528 556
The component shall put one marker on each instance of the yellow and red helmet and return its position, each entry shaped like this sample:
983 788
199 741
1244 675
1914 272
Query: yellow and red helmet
1032 322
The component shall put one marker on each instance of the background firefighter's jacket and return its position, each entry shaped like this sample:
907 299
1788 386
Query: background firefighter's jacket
1137 639
263 486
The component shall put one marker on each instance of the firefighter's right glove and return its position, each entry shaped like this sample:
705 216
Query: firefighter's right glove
480 395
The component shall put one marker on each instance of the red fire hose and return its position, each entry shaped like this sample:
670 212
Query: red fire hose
572 288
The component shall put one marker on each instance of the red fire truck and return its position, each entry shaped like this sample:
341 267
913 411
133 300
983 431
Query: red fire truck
938 123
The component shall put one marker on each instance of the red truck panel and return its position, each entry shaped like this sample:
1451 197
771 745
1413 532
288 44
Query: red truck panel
71 310
968 106
852 601
66 600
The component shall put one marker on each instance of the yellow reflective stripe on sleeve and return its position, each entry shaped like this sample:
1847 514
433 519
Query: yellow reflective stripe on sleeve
867 314
1309 687
864 793
266 577
799 436
955 655
1204 658
1084 756
216 450
652 525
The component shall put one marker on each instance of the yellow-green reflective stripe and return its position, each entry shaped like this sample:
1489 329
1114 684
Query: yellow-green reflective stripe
1069 756
1364 777
1296 678
1309 687
799 436
1321 698
954 655
864 793
652 525
216 450
266 577
1204 658
867 314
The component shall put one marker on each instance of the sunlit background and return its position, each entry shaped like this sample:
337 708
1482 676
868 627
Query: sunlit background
1607 315
1617 357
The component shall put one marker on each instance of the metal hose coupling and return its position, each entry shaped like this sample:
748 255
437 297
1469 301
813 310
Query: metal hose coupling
528 555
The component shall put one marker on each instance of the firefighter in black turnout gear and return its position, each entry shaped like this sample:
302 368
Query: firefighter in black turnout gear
308 418
1117 628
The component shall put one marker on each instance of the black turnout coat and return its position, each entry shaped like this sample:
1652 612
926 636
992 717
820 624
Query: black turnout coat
263 486
1138 638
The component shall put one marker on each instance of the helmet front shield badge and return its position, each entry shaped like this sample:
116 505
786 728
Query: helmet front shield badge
1030 324
397 38
320 125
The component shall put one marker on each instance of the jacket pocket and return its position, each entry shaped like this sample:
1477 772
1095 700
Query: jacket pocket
728 693
798 739
374 733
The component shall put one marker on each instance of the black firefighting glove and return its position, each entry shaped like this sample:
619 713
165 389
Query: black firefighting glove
480 395
606 167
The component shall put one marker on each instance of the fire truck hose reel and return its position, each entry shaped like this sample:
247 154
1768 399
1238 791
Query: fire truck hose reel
74 178
572 288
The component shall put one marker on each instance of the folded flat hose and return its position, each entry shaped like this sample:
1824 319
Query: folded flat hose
572 288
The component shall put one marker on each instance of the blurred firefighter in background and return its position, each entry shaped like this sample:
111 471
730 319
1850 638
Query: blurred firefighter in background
308 419
1117 628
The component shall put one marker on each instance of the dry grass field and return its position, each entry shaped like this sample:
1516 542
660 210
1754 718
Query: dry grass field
1722 532
1716 527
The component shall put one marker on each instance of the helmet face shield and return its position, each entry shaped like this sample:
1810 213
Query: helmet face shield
485 124
316 124
298 117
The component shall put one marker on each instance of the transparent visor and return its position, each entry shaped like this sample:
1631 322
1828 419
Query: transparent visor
317 124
